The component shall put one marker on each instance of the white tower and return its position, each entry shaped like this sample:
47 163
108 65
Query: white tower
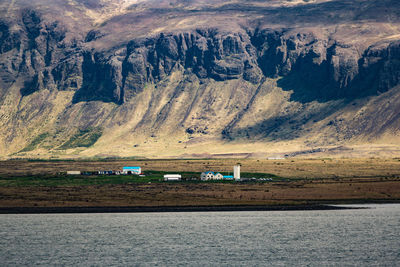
236 172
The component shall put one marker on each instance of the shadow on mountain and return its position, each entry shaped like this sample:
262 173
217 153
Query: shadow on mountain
99 81
286 127
375 72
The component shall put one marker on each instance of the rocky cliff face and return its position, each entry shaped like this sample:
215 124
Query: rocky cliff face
203 84
324 69
205 53
316 69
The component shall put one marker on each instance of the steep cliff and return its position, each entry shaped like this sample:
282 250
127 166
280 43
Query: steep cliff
127 86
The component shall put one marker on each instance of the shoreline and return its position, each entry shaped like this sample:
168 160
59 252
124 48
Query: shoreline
156 209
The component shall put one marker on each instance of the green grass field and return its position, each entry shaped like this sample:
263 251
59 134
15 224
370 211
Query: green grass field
82 180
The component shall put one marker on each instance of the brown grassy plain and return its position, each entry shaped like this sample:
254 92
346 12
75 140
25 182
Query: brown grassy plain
289 168
299 192
321 181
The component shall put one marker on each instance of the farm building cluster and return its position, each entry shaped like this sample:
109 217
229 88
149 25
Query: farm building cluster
214 176
125 171
205 176
218 176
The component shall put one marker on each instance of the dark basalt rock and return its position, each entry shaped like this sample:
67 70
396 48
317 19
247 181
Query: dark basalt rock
123 74
314 68
310 67
37 52
101 79
93 35
8 40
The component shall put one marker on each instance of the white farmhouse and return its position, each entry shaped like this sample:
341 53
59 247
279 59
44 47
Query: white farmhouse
218 176
207 176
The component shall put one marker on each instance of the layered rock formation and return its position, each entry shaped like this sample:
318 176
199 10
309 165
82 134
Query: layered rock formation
194 85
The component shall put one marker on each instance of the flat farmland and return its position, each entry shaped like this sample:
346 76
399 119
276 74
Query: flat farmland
209 194
288 168
297 182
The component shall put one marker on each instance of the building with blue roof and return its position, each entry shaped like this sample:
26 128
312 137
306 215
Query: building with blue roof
131 170
209 175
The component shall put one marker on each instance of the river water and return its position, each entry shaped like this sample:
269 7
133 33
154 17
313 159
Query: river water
360 237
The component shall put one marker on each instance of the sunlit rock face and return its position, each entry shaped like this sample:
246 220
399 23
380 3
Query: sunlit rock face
133 76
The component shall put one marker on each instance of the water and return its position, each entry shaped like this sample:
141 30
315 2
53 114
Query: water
368 237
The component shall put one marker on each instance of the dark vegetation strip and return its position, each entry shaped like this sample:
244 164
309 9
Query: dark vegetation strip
35 142
150 177
83 138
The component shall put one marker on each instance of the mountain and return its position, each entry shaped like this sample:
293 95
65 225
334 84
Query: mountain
193 78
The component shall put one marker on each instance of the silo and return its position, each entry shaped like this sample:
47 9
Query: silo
236 172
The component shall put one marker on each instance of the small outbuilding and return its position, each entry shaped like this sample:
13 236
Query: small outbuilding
73 172
228 177
172 177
